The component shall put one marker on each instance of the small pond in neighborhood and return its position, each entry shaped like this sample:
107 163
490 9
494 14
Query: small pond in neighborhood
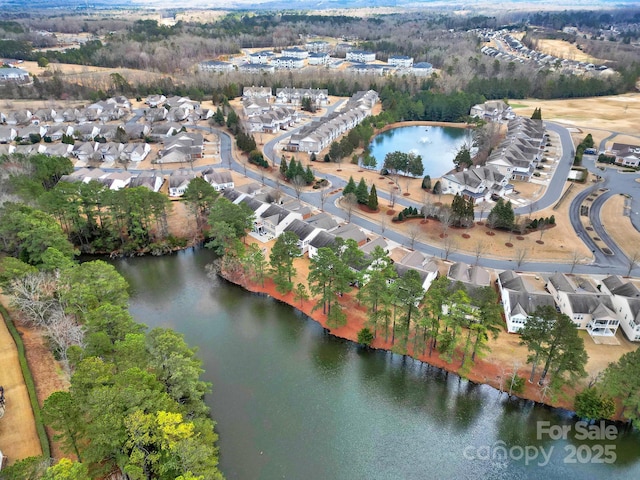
437 145
293 402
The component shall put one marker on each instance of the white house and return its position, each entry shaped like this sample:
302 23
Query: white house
626 301
492 110
155 100
261 57
422 69
589 308
147 179
214 66
473 275
426 267
16 75
179 181
361 56
218 179
290 63
295 52
7 134
304 232
321 240
135 152
275 219
401 61
478 183
317 46
318 58
520 300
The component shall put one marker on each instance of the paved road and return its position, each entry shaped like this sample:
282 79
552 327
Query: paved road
603 264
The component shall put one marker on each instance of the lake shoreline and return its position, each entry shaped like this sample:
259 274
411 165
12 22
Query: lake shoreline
482 372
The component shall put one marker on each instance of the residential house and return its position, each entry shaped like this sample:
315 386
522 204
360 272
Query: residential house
43 115
322 220
473 275
492 110
7 134
191 143
21 117
626 155
275 219
261 58
154 115
364 68
257 92
626 301
136 130
321 240
84 151
14 75
318 58
218 179
26 131
286 95
147 179
86 131
479 183
253 106
110 151
289 63
68 115
588 308
135 152
317 46
56 149
426 267
162 131
179 181
350 231
422 69
400 61
295 52
120 101
7 149
360 56
174 156
119 180
155 100
214 66
27 150
57 131
520 300
304 232
369 247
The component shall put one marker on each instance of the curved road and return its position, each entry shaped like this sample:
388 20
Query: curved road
602 264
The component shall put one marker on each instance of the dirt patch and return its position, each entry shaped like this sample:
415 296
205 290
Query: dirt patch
564 49
18 435
47 373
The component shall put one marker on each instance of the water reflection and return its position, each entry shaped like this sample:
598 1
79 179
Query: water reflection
292 401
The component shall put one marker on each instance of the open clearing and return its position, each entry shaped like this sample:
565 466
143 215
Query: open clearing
621 229
564 49
599 116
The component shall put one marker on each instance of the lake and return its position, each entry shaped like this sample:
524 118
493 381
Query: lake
293 402
437 145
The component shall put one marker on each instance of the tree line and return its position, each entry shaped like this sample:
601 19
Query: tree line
136 401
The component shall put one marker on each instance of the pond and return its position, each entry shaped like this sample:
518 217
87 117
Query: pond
293 402
437 145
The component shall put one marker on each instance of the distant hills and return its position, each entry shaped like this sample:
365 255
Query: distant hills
485 5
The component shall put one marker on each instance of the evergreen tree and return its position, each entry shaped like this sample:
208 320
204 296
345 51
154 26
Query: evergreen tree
537 114
362 192
372 201
309 177
283 167
350 187
426 182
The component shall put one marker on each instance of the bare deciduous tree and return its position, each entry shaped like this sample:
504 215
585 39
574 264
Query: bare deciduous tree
34 296
392 197
479 250
521 256
445 215
349 202
324 194
633 259
575 259
383 223
449 245
298 183
413 232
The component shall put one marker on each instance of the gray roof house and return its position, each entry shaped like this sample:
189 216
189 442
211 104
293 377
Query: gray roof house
520 300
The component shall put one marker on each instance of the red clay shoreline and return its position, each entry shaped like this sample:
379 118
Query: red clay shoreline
482 372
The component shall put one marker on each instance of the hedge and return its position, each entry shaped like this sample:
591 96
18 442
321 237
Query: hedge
28 380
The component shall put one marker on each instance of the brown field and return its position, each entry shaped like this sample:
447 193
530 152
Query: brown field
18 436
619 226
564 49
599 116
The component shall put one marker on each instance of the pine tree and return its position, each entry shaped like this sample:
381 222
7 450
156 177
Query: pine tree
362 192
283 167
372 202
309 177
350 187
